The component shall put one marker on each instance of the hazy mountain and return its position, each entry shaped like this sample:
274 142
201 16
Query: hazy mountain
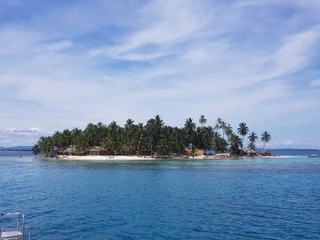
16 148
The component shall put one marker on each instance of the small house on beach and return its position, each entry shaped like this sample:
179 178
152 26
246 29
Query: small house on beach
97 150
69 151
249 152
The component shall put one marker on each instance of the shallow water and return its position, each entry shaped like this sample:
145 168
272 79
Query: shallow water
212 199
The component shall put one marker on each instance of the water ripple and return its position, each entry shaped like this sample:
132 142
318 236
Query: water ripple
232 199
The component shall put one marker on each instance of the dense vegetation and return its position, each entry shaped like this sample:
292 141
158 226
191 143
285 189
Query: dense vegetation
152 138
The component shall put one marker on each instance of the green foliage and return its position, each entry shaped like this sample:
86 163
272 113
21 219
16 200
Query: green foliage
220 145
202 120
153 138
243 131
189 132
235 144
252 138
265 137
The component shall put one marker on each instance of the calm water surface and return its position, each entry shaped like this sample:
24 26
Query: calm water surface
211 199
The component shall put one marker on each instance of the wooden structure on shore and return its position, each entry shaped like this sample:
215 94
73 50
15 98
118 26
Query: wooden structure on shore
97 150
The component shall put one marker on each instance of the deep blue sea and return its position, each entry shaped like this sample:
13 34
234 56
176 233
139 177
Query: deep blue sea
210 199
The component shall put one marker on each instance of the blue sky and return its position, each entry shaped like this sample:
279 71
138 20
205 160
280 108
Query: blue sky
64 64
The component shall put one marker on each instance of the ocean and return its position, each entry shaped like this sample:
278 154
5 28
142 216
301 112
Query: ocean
255 198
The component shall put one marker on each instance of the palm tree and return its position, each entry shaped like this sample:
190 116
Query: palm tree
235 143
265 137
129 136
62 140
78 141
80 144
243 130
219 144
146 139
36 149
163 148
252 138
190 131
204 138
228 131
153 129
113 139
45 145
202 120
140 136
90 134
218 123
178 140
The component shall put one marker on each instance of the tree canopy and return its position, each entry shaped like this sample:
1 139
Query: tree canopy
155 137
265 137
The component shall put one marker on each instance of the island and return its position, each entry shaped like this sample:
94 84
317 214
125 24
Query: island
153 140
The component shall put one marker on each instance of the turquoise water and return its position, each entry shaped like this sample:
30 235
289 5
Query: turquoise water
212 199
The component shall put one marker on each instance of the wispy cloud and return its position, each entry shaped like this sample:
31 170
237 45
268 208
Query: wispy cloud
252 61
20 136
165 23
296 52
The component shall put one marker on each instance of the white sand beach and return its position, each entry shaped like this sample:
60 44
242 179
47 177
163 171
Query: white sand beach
122 158
149 158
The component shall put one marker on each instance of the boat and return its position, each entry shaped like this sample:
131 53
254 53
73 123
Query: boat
314 156
13 227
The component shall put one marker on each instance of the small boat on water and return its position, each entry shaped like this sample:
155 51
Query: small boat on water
13 227
314 156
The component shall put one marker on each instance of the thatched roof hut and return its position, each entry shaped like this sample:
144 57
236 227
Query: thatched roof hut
69 151
249 152
97 150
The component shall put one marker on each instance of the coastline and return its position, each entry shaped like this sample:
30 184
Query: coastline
103 158
124 158
149 158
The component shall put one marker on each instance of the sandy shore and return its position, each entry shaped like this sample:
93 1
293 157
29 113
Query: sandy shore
121 158
149 158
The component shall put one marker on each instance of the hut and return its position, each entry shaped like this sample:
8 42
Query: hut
249 152
69 151
97 150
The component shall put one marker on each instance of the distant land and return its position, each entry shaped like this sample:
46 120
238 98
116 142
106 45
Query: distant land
16 148
293 151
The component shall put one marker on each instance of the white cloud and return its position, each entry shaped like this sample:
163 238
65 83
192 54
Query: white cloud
31 131
165 23
295 53
35 129
11 129
141 60
15 40
20 136
290 142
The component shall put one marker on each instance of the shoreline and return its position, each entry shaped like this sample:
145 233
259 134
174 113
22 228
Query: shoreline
124 158
149 158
